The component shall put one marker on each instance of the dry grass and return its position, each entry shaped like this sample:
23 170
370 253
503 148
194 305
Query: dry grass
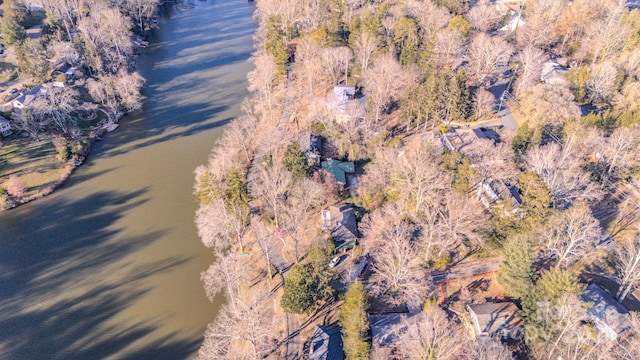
35 163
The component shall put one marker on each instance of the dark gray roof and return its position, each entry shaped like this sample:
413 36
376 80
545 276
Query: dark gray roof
311 143
606 313
341 221
495 318
386 328
326 344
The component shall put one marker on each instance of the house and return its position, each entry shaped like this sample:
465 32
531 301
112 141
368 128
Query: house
311 148
492 191
514 23
341 222
339 169
496 320
553 73
25 99
345 104
384 327
326 344
5 127
608 315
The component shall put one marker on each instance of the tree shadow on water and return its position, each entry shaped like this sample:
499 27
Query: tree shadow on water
57 295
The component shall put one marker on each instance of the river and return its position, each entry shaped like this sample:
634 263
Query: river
109 265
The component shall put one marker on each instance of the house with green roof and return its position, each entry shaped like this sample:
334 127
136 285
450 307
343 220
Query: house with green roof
339 169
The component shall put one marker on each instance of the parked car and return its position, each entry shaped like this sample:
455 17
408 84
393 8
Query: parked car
13 91
335 261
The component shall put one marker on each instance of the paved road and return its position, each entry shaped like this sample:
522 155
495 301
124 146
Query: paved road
506 117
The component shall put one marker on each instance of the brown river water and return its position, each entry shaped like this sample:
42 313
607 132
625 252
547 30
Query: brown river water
108 266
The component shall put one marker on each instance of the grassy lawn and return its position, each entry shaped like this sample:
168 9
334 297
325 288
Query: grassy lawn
8 71
34 162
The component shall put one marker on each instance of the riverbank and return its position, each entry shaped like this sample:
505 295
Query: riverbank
108 266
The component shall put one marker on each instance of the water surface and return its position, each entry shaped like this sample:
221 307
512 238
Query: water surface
108 266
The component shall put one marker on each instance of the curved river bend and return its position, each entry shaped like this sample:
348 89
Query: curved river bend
108 266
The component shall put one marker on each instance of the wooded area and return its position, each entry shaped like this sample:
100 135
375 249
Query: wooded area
479 133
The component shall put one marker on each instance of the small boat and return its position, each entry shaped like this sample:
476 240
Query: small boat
110 126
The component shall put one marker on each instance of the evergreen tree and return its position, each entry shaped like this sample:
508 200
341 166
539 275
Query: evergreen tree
536 199
275 44
407 41
537 305
522 140
307 284
354 323
32 60
237 192
299 290
296 162
515 273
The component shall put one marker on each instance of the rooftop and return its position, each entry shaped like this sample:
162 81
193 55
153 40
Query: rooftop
495 318
326 344
339 169
607 314
341 221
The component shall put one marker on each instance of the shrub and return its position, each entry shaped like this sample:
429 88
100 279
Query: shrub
15 186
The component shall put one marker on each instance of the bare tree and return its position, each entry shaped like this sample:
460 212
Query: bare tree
336 61
629 97
431 335
460 222
220 224
571 234
383 81
549 104
429 16
488 349
607 35
602 82
309 62
448 47
57 104
483 15
366 44
107 37
483 104
542 15
618 152
26 121
305 196
397 273
226 273
140 11
261 79
117 92
243 332
561 170
267 243
493 160
65 12
569 338
485 54
63 52
626 258
529 68
417 178
272 186
239 134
